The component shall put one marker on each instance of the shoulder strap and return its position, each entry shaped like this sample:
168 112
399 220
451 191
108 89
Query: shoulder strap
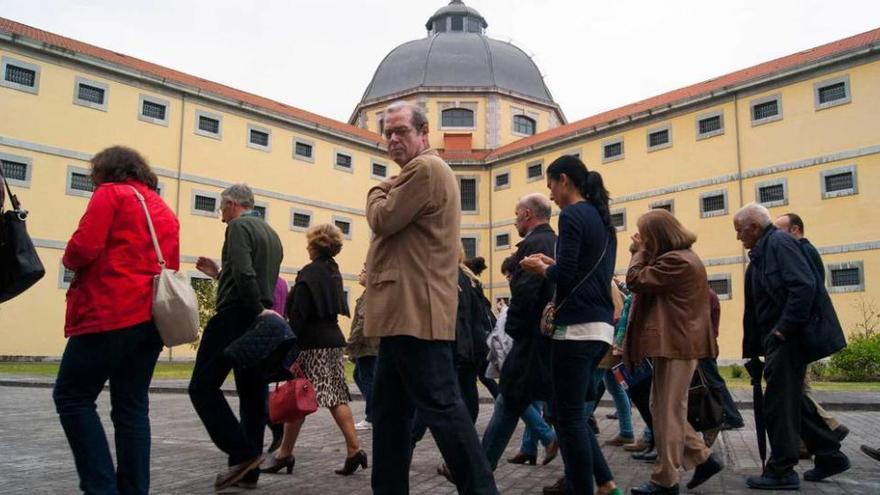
576 287
4 188
140 198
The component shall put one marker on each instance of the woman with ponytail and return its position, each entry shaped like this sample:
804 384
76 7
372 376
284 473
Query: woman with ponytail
583 330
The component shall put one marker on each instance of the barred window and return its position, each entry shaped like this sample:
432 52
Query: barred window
303 149
772 193
259 138
380 170
21 75
523 125
502 180
81 182
209 124
344 226
90 93
535 171
13 170
658 138
457 23
613 150
714 203
839 182
468 194
832 92
710 124
765 110
618 220
68 275
845 277
343 160
301 220
457 117
205 203
721 287
153 110
261 211
470 247
502 240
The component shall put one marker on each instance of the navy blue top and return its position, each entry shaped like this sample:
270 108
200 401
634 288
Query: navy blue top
582 238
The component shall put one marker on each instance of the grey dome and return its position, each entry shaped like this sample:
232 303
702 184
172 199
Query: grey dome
457 60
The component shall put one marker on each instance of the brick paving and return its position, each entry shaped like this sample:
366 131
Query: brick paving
36 459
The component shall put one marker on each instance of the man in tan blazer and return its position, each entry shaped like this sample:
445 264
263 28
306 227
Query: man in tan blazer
411 303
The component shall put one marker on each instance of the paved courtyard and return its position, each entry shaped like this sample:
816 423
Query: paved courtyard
36 459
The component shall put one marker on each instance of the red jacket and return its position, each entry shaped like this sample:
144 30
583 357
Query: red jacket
113 258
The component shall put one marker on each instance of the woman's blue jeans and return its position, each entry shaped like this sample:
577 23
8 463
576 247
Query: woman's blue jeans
503 423
621 403
126 358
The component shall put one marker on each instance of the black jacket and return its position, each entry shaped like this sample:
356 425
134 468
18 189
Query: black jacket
472 324
783 293
525 375
313 304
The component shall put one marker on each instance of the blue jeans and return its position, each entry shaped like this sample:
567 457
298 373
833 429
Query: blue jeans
531 436
572 364
364 368
503 423
419 375
621 403
126 358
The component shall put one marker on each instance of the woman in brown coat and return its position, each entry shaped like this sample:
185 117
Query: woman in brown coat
670 322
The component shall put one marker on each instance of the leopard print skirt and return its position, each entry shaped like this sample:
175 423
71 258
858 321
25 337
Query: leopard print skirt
326 370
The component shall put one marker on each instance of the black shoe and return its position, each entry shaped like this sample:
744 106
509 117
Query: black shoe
593 425
555 488
770 482
279 463
841 432
871 452
732 426
826 470
236 473
521 458
647 455
277 430
704 471
352 463
651 488
245 485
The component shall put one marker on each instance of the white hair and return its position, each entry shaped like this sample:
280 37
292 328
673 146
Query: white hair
754 213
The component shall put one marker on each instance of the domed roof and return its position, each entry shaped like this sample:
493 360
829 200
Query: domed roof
456 55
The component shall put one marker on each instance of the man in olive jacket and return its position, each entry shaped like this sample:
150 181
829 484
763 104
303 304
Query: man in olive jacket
411 302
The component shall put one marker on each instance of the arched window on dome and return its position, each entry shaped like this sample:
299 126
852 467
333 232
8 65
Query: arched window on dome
523 125
458 117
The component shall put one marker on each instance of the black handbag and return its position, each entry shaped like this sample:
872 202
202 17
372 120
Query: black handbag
268 345
705 411
20 266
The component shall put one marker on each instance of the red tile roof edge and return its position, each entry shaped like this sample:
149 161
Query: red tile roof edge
54 42
705 88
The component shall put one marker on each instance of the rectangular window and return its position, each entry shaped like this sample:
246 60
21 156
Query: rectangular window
260 210
710 124
839 182
65 277
206 204
457 23
846 277
303 150
300 220
153 110
343 161
468 188
612 150
766 110
20 75
209 124
666 204
379 170
720 284
81 182
90 93
534 171
502 241
713 204
618 220
14 170
658 138
470 247
344 225
772 193
259 138
502 181
832 92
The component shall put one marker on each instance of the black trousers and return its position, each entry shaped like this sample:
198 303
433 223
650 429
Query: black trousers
709 367
240 440
419 375
467 384
640 396
790 416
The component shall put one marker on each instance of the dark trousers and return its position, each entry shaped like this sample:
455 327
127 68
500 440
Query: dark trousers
572 366
364 369
790 416
709 367
240 440
640 396
419 375
490 384
126 358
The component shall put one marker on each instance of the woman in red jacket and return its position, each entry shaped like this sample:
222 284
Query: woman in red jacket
111 336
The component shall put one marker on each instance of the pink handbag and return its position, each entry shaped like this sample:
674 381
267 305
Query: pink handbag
293 400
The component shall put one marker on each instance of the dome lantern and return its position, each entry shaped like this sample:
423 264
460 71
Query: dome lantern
456 18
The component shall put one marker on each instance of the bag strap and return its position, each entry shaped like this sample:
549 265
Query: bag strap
140 198
576 287
13 200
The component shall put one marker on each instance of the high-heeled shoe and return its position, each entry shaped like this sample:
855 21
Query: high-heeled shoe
521 458
279 463
352 463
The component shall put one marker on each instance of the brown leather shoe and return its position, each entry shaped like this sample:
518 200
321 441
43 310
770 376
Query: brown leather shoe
637 446
619 441
521 458
236 473
550 452
555 488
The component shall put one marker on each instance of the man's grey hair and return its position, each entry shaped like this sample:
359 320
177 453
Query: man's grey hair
240 194
538 204
754 213
419 118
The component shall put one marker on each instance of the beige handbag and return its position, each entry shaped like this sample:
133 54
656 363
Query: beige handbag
175 307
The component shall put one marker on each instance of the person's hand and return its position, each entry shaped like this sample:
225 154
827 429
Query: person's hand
546 259
534 264
773 341
637 243
389 182
208 266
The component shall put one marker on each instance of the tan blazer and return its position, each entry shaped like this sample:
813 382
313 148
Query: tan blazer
412 286
670 315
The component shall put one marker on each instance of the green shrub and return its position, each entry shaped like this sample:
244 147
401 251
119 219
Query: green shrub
206 294
819 371
860 360
737 371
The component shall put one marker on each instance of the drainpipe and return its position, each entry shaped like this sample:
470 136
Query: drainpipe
179 181
739 170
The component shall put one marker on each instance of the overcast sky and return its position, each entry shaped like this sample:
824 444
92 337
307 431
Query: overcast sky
320 55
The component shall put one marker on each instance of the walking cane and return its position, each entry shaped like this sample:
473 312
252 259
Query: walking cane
756 369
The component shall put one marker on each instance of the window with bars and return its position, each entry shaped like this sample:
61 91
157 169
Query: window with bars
65 277
772 194
839 182
663 205
709 125
468 189
832 92
612 150
14 170
502 180
502 241
209 124
765 110
721 286
259 138
658 138
261 211
303 150
713 204
379 170
523 125
207 204
457 117
618 220
81 182
153 110
301 220
344 226
470 247
93 94
535 171
343 161
846 277
20 75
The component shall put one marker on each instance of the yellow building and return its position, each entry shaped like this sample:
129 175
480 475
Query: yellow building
798 134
